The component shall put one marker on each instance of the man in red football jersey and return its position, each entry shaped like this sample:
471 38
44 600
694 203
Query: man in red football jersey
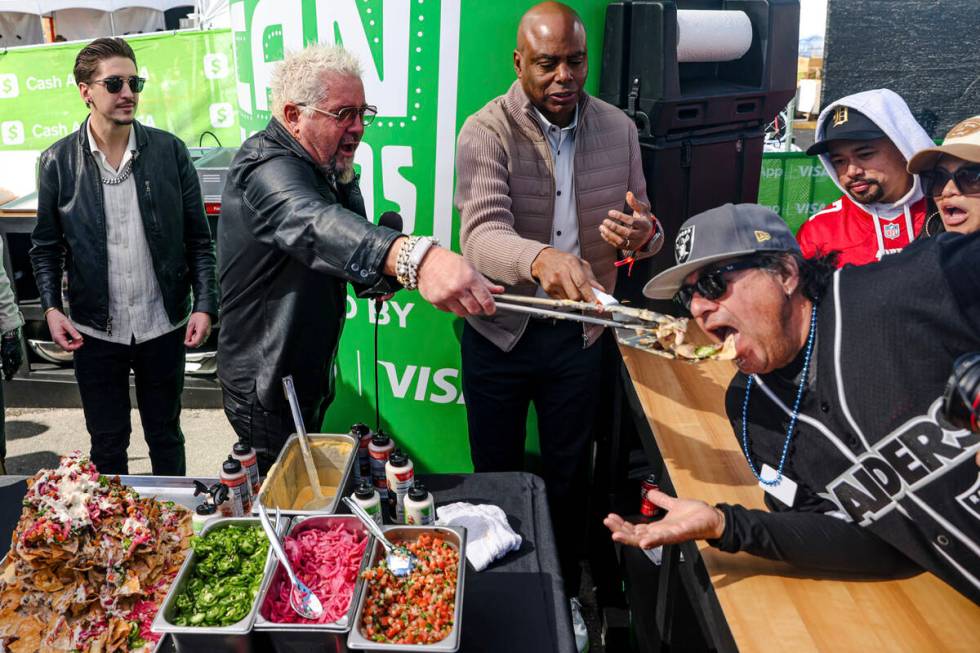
864 142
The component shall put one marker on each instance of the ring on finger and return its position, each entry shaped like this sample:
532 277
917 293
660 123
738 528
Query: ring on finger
627 245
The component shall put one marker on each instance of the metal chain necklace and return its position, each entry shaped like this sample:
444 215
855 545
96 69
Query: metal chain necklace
793 417
123 176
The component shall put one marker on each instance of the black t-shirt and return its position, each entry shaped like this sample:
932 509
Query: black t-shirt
880 482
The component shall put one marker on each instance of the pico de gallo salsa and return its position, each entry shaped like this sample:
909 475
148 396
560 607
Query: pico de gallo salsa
418 608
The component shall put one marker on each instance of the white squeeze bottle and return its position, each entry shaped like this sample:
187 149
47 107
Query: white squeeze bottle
368 499
400 474
239 503
380 449
245 454
420 507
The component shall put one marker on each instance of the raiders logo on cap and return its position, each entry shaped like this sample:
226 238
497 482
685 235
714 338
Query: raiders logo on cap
684 244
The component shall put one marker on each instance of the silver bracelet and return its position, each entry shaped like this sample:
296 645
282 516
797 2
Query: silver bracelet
418 253
410 258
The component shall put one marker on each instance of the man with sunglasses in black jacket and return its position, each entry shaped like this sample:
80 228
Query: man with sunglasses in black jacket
119 206
837 399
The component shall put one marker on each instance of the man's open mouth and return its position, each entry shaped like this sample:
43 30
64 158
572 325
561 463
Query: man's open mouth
721 332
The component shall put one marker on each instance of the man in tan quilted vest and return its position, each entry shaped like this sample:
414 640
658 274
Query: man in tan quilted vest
543 176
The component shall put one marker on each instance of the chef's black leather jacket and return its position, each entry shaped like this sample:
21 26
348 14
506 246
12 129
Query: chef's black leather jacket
71 228
289 241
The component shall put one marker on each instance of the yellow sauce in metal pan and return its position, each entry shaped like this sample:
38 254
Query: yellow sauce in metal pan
288 487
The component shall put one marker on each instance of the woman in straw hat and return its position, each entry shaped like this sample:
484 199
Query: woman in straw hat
950 175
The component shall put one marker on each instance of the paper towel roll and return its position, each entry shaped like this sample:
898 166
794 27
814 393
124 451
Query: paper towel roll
704 35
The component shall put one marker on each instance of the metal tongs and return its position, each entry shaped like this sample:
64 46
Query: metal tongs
622 317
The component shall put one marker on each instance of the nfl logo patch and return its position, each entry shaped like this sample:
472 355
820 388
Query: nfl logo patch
892 231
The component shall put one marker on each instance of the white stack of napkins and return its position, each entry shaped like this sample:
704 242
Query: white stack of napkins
488 535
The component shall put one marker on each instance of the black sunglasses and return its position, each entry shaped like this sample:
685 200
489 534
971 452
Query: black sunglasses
711 283
114 83
966 180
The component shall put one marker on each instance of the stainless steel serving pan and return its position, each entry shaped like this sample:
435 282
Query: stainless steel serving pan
302 638
234 638
456 536
334 455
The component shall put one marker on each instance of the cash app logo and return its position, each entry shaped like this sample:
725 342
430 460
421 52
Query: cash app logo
222 115
408 51
8 85
12 132
215 65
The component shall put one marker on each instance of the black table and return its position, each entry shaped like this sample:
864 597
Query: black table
515 605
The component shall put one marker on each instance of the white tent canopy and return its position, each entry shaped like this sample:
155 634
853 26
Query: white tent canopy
18 29
85 19
44 7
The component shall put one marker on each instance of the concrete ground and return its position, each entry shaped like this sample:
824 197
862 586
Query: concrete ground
36 437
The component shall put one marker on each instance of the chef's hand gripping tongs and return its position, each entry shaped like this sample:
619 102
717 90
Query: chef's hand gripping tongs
622 317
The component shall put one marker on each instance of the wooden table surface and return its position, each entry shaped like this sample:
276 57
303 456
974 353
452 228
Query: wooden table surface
770 606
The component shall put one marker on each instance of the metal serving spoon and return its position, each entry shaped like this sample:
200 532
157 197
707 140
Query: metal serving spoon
318 502
400 560
301 598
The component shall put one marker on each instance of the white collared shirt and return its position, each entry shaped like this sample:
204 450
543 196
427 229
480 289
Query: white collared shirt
136 310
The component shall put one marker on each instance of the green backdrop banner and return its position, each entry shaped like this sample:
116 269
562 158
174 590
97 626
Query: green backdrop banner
190 89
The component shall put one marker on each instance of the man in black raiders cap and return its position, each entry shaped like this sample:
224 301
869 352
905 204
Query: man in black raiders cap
864 142
836 402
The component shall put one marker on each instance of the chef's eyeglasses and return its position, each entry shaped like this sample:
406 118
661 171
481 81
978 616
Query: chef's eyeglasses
115 83
711 283
966 180
346 115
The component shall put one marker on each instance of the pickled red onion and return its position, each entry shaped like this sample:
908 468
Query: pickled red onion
327 560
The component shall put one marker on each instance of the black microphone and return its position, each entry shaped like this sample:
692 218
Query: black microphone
391 220
394 221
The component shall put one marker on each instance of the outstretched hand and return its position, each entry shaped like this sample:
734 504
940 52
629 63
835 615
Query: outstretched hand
630 232
686 520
